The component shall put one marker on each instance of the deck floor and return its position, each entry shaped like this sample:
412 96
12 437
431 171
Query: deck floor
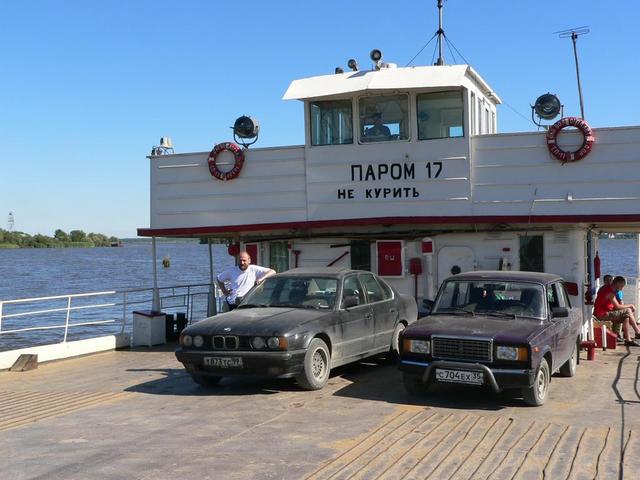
137 415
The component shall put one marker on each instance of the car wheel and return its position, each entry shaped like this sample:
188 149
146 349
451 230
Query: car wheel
536 394
569 367
413 384
317 364
394 348
205 380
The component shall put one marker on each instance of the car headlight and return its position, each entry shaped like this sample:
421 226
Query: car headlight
198 341
416 346
273 343
511 353
257 343
186 340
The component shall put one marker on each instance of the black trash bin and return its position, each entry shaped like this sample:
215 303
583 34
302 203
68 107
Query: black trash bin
181 321
175 324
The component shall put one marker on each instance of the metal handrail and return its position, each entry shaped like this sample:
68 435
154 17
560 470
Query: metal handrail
128 299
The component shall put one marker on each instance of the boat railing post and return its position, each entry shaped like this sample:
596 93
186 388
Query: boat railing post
66 323
1 316
124 311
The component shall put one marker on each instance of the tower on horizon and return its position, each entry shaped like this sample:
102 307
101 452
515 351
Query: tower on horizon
10 222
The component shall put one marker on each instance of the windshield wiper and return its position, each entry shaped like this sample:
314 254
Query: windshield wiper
253 305
496 313
457 309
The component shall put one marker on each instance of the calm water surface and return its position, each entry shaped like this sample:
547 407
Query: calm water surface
29 273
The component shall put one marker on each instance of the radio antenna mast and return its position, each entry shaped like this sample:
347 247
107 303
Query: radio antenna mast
440 34
574 33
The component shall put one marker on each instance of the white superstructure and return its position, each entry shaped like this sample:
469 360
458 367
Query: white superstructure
401 160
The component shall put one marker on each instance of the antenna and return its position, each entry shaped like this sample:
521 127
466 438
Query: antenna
10 222
440 34
574 33
165 147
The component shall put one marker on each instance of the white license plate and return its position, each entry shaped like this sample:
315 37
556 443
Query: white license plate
223 362
459 376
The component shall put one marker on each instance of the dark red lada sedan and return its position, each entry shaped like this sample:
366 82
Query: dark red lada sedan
507 330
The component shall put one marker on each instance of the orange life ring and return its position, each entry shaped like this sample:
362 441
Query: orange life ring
238 155
587 142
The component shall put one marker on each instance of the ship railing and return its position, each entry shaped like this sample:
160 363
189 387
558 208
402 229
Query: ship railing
85 315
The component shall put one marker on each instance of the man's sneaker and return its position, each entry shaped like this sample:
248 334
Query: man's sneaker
631 343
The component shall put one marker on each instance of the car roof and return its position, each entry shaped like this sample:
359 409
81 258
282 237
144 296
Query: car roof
509 276
321 271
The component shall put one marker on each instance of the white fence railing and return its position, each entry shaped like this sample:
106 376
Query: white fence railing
30 321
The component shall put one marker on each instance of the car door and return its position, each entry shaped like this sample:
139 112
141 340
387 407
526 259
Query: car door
562 330
382 303
356 322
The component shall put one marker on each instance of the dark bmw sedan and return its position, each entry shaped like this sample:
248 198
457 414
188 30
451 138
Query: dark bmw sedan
301 323
508 330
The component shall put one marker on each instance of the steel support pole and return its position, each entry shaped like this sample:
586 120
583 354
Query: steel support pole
574 38
155 304
212 306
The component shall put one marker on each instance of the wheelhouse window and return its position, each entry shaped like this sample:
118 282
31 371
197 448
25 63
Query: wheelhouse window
331 122
440 115
384 118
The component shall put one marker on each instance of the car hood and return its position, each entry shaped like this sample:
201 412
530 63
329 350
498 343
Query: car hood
256 321
507 330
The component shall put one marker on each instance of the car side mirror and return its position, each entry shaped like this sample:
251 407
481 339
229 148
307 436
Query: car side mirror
427 306
350 301
559 312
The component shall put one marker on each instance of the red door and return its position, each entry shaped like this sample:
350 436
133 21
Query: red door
390 258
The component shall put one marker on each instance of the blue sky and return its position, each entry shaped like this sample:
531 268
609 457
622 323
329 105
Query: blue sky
87 88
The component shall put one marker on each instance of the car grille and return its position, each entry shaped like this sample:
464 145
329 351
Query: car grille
462 349
226 342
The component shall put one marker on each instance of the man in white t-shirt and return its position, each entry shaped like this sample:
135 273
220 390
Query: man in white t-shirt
241 279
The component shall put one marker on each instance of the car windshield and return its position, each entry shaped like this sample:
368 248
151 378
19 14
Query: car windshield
294 291
490 297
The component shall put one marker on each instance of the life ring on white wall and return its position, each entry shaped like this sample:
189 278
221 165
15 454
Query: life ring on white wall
587 139
238 156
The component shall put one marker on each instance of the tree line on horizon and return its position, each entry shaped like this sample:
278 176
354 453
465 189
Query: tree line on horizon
60 239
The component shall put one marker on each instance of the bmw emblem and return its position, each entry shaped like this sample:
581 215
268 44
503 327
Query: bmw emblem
227 329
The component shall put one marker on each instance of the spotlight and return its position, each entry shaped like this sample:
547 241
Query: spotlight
353 65
339 70
246 128
375 55
547 106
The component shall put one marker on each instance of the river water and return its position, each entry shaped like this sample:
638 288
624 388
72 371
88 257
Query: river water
27 273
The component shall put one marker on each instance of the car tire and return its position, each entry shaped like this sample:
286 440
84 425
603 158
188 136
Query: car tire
317 365
413 384
568 369
394 348
205 380
536 394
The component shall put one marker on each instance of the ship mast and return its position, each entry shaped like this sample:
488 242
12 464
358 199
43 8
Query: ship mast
440 34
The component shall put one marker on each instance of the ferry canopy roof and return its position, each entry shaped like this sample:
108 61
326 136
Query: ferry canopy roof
388 79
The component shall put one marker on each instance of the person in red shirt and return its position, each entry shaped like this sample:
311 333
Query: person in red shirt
608 308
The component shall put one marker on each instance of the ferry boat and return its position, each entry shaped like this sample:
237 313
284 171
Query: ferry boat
403 172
